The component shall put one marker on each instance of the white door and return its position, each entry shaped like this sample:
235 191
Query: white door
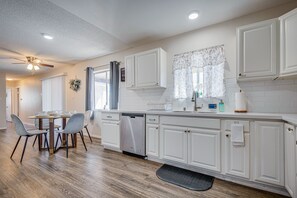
256 50
288 43
8 104
174 143
290 172
204 148
237 158
147 68
152 140
110 134
269 152
129 71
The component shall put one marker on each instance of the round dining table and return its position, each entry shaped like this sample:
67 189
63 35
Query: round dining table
52 118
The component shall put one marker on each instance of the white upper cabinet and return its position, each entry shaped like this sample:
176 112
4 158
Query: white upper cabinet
256 50
288 43
146 69
129 76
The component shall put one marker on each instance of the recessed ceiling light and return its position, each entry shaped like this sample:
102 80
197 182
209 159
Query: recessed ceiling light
9 79
47 36
193 15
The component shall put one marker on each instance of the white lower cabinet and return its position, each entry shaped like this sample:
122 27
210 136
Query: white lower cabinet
111 134
152 140
193 146
268 153
237 157
174 143
290 171
204 148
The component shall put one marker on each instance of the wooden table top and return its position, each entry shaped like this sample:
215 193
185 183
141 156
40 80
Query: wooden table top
50 116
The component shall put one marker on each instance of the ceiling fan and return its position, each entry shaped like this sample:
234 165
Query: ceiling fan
33 63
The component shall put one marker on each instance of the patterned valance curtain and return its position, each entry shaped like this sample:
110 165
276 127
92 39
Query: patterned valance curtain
208 64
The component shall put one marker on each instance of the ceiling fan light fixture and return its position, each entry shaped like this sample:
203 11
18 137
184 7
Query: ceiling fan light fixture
47 36
36 67
30 66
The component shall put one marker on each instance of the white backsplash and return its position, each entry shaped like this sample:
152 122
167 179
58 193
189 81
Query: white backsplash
278 96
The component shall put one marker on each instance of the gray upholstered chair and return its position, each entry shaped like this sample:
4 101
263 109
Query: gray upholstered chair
87 122
22 132
74 125
45 126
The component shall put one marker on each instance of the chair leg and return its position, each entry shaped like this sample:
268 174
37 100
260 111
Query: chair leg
59 136
67 145
72 140
82 138
39 145
45 141
24 148
15 147
34 140
88 133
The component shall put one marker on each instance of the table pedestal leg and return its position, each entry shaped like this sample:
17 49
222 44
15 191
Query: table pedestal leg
64 135
51 135
40 124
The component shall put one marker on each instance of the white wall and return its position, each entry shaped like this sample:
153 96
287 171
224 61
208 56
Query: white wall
2 101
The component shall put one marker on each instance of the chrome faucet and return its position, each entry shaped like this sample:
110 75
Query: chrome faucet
194 99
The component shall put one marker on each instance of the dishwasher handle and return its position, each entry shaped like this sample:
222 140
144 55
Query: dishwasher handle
132 115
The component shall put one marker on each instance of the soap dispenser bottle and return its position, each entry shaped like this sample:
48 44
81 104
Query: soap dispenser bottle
221 106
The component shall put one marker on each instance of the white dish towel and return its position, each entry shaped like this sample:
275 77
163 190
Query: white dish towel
237 136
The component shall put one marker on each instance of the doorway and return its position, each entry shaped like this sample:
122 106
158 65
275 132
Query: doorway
8 105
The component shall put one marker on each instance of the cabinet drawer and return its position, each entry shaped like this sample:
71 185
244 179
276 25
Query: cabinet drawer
154 119
246 124
110 116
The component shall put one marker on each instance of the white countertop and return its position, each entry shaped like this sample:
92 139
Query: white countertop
291 118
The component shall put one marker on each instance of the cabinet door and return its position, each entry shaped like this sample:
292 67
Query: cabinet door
290 172
288 43
237 158
204 148
152 140
129 71
147 68
174 143
110 134
256 50
269 152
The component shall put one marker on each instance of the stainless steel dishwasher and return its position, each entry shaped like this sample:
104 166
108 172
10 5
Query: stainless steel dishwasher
132 135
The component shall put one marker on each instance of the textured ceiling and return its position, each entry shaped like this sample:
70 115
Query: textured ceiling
92 28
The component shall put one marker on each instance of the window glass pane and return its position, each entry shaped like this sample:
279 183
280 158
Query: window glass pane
101 90
198 80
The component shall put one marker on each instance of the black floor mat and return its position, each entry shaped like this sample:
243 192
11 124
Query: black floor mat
185 178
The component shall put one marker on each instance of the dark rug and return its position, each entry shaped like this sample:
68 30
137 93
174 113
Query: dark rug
185 178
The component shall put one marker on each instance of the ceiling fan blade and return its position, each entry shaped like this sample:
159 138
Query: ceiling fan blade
45 65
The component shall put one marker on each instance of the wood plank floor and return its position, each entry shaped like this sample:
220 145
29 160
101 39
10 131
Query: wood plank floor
95 173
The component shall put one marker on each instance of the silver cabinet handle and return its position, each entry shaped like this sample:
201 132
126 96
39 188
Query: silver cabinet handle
157 128
290 130
109 116
152 119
